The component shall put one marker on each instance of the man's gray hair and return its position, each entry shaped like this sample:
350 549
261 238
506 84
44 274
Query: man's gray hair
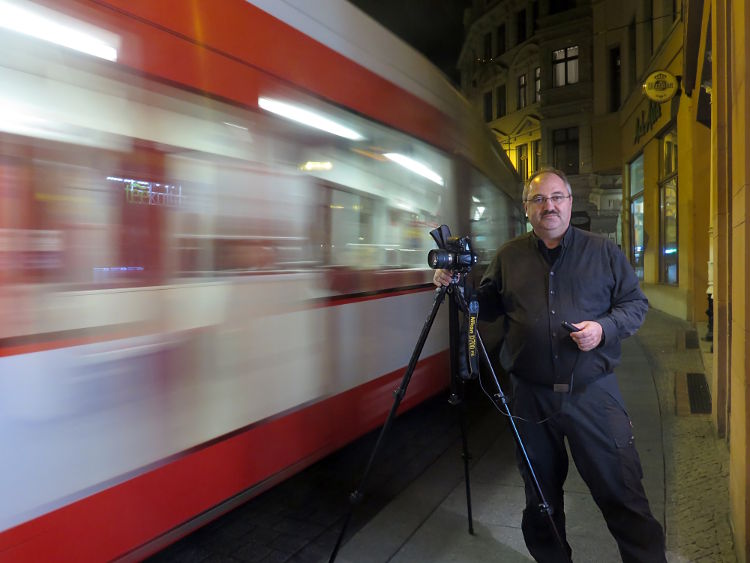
546 170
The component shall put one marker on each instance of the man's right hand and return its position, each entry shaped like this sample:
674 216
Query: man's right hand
442 277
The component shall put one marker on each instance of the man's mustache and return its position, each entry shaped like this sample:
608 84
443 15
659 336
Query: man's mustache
545 213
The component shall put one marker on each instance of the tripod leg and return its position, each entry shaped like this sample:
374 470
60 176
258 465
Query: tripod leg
458 393
356 496
458 401
501 399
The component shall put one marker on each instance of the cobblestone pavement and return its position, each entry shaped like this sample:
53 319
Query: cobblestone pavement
696 461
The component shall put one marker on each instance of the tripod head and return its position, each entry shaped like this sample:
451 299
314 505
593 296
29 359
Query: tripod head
456 255
453 253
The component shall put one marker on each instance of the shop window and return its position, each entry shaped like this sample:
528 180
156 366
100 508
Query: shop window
668 257
638 235
669 154
668 244
639 245
565 66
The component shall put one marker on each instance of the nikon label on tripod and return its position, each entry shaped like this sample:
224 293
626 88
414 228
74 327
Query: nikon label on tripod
471 339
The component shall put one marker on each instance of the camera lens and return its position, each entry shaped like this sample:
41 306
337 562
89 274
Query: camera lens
440 259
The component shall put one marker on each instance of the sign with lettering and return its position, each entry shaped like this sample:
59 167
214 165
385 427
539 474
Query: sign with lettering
660 86
645 122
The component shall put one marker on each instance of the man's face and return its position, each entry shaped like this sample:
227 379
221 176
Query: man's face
549 219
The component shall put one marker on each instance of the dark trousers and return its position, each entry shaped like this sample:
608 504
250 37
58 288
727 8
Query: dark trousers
600 438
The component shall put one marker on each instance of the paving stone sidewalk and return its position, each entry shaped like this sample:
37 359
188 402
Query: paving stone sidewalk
696 461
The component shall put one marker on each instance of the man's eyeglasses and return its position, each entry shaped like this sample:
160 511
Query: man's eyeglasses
541 200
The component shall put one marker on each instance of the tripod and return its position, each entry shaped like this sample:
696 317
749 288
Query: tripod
456 398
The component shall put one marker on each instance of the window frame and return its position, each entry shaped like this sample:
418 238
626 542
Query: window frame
501 40
637 190
522 84
669 247
567 143
521 22
568 61
487 106
501 101
522 160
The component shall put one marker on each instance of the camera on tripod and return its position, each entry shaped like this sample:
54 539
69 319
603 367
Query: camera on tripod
453 253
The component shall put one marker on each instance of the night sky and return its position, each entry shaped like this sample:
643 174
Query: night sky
433 27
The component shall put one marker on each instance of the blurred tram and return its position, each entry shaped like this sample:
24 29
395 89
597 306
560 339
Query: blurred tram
214 225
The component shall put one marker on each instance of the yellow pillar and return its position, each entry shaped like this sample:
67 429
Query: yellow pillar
730 21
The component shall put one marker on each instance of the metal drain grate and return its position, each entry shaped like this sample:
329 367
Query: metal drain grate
699 394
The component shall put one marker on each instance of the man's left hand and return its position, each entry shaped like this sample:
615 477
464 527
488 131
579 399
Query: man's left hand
589 336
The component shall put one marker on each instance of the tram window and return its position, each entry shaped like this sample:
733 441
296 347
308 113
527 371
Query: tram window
132 198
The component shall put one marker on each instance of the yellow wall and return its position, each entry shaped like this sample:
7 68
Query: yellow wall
730 148
687 300
694 174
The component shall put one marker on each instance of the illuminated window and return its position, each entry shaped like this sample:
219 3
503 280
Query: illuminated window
668 243
637 233
669 154
565 66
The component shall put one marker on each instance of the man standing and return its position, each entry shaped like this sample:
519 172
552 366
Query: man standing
563 383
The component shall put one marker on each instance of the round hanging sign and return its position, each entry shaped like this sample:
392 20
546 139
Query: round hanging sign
660 86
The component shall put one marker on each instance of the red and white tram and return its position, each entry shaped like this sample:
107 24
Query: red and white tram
214 226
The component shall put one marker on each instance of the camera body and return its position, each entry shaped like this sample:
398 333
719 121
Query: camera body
454 253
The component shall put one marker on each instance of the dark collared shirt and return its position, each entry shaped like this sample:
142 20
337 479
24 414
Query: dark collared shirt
533 291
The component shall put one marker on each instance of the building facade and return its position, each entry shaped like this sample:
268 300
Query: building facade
529 67
679 165
664 158
559 82
716 75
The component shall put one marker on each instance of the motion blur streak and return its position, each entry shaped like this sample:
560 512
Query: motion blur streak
198 297
47 25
